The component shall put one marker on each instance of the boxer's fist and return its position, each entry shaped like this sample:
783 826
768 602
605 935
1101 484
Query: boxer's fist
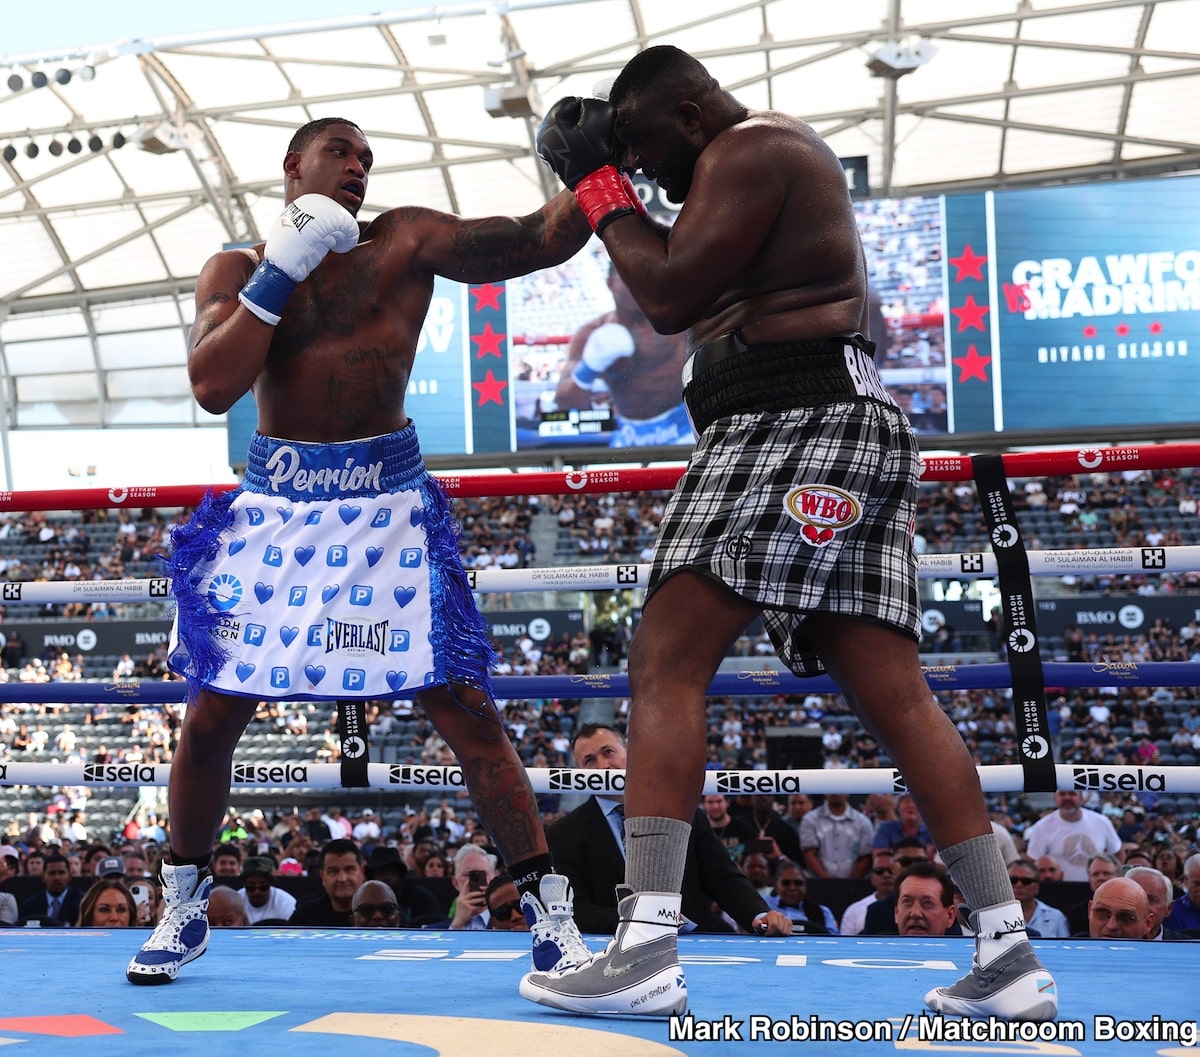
605 345
308 229
577 137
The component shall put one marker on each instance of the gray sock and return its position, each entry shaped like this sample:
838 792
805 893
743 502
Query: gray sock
655 853
978 869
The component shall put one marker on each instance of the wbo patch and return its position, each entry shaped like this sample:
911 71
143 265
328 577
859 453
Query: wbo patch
822 511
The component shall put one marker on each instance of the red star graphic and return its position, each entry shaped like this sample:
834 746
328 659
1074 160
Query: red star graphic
491 390
973 365
1089 331
488 341
969 266
1122 329
487 296
1156 328
970 315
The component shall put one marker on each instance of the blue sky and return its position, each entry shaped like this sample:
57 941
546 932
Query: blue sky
72 24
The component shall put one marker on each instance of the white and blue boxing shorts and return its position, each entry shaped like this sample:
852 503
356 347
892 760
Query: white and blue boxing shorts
332 572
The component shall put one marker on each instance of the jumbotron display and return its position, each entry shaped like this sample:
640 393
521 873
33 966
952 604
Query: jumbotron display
1067 308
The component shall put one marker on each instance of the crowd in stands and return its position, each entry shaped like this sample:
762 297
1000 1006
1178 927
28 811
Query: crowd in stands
1122 724
436 868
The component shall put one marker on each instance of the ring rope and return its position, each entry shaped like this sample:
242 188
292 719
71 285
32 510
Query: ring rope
401 777
630 479
965 565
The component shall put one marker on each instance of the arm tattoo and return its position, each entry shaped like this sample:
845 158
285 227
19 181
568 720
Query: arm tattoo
202 331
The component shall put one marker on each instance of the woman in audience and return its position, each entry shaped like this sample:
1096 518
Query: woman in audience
108 904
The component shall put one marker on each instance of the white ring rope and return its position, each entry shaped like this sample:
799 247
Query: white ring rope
966 565
417 777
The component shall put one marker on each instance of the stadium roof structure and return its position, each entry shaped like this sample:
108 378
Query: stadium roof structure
124 166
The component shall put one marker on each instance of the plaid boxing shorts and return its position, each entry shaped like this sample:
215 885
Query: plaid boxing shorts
802 511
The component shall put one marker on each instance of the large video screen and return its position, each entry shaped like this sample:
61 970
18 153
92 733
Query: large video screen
1017 311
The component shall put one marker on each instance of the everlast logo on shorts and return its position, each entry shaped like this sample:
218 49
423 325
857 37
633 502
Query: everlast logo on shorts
1141 780
119 773
405 774
588 781
356 638
270 774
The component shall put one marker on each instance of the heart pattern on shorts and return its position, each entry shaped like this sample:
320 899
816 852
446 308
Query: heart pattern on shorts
404 595
314 672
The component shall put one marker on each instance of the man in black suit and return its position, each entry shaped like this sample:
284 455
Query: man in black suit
58 902
588 847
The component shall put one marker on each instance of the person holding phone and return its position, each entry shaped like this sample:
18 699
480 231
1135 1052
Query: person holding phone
474 870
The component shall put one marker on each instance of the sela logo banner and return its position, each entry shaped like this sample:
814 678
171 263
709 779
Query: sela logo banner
12 592
160 587
1137 779
3 772
759 782
270 774
119 773
432 777
587 781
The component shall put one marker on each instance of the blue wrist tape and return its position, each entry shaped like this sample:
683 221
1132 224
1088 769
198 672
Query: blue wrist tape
267 292
584 376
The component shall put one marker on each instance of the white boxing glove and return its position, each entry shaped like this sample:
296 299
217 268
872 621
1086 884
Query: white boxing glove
308 229
605 345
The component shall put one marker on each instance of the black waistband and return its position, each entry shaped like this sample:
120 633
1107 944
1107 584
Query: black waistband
729 377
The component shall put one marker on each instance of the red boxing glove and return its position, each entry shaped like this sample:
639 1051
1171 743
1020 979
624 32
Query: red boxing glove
634 198
602 197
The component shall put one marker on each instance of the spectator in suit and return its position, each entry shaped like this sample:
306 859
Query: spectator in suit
791 899
342 872
1158 889
1047 921
1185 911
1119 909
588 846
264 901
880 918
57 903
925 901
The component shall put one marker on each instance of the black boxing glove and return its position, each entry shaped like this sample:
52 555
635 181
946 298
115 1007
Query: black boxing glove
577 137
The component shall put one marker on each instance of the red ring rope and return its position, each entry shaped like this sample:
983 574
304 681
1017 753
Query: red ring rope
632 479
